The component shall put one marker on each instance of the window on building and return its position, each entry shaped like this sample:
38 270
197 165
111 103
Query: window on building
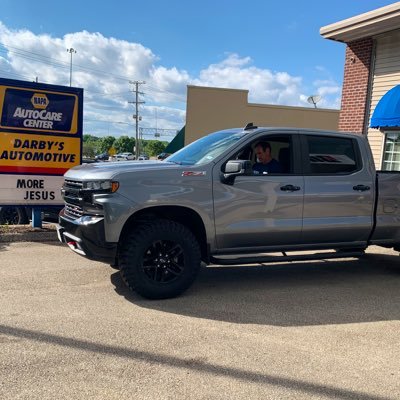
391 152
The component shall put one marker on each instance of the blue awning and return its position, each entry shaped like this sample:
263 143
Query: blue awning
387 111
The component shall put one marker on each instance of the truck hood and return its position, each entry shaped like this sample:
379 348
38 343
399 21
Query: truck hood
108 170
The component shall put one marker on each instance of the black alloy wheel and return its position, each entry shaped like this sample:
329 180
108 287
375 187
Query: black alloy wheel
159 259
164 261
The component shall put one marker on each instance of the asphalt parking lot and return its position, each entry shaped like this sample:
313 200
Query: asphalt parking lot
315 330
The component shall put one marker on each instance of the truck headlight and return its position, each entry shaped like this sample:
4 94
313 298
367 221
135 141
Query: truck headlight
103 186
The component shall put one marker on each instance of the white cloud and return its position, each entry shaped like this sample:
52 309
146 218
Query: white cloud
264 85
104 66
233 60
327 90
168 85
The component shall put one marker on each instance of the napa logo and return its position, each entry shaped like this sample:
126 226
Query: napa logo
40 100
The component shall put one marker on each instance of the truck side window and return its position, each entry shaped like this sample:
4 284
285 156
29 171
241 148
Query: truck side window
331 155
280 151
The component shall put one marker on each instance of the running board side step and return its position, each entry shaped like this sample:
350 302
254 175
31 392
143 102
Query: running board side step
284 258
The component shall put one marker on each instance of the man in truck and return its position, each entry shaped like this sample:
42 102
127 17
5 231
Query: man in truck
266 164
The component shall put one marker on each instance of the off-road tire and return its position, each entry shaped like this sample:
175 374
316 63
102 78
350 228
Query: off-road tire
160 259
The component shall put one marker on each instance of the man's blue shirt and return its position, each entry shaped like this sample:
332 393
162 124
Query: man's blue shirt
273 167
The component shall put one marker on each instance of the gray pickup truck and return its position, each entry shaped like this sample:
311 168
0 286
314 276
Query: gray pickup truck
158 220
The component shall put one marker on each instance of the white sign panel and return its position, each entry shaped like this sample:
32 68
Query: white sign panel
30 190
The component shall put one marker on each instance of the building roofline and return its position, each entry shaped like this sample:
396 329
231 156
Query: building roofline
365 25
217 88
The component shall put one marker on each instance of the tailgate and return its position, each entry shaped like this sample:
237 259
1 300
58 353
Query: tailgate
387 229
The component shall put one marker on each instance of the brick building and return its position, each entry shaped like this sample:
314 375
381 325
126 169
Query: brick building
371 90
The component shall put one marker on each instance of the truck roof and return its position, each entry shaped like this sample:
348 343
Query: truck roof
250 127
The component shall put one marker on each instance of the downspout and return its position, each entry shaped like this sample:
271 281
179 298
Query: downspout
369 89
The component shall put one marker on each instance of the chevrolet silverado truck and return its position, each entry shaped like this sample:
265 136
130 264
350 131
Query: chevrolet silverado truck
157 221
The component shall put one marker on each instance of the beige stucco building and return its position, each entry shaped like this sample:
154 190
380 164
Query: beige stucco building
209 109
371 91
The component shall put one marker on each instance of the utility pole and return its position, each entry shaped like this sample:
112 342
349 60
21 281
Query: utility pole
70 50
136 115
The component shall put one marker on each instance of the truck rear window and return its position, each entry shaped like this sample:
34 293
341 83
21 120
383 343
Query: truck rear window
331 155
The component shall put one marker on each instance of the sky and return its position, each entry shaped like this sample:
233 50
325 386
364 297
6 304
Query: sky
272 49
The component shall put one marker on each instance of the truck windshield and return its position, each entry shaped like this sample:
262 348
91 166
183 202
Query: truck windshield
206 149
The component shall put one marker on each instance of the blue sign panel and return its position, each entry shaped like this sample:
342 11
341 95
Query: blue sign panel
39 110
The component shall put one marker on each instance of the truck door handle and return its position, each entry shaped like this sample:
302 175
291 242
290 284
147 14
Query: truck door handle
290 188
361 188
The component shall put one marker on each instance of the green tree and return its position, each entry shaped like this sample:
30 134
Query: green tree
154 147
105 144
90 145
90 138
124 144
89 149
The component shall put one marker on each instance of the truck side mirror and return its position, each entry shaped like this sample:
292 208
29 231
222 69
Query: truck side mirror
234 168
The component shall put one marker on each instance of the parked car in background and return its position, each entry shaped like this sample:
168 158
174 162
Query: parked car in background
10 215
102 157
129 156
86 160
143 157
162 156
20 215
117 157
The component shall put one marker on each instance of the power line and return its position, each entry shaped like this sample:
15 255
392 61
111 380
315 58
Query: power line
115 94
167 94
148 133
57 63
32 56
15 74
65 65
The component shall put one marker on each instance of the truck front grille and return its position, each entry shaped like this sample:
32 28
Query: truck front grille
78 201
73 184
71 194
71 190
73 211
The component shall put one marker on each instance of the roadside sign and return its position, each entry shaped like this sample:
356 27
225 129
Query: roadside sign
40 139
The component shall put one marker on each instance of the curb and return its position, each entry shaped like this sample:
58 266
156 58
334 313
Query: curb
25 233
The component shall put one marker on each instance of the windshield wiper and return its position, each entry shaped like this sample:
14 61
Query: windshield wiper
174 162
182 162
